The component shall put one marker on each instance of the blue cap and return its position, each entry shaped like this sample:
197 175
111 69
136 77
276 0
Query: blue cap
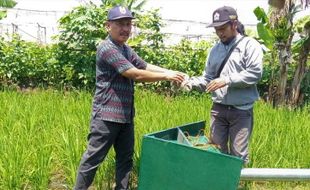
119 12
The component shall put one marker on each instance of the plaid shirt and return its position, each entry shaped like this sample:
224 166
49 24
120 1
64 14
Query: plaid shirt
114 95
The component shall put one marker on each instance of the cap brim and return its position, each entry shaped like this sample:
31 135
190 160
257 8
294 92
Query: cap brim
121 17
217 24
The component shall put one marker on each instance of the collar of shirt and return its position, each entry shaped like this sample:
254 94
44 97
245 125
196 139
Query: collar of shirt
122 48
231 43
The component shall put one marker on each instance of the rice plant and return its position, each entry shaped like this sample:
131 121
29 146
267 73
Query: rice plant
43 135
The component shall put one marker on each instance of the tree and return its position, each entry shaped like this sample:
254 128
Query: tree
302 48
281 21
284 14
281 3
277 31
7 3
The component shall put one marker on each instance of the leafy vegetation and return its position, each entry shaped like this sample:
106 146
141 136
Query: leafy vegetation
6 4
287 70
82 29
26 64
70 62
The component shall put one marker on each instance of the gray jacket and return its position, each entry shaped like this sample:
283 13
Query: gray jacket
241 72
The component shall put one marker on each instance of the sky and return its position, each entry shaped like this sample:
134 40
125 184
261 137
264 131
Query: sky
195 15
196 10
201 10
47 5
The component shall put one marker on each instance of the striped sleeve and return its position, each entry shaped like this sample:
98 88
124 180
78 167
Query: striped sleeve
113 57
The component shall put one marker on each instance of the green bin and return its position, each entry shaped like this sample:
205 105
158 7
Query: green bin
168 163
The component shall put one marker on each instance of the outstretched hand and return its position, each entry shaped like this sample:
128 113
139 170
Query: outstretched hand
184 86
175 76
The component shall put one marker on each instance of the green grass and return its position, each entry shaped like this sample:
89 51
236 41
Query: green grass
43 135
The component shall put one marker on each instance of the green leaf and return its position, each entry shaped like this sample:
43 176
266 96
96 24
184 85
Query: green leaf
7 3
261 15
3 14
266 35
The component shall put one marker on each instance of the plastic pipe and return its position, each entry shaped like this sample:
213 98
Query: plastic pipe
274 174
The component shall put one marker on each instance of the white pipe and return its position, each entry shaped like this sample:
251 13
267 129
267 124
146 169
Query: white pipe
274 174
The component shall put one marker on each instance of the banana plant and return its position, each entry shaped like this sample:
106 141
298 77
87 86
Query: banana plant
301 48
264 30
267 38
279 4
276 31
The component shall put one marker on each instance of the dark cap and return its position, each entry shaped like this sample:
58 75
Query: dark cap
119 12
223 15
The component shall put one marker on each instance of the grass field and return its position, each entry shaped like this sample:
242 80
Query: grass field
43 135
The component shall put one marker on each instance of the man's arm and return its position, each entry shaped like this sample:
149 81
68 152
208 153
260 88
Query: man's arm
151 73
198 83
136 71
154 68
151 76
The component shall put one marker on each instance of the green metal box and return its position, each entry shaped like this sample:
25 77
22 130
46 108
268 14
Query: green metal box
170 163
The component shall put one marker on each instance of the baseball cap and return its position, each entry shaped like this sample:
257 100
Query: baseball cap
119 12
223 15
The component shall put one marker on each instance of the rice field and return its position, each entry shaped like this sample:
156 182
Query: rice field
43 135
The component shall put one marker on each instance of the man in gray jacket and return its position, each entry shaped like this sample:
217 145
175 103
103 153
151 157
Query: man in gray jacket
234 87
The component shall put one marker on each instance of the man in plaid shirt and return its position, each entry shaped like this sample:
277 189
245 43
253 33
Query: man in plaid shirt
117 67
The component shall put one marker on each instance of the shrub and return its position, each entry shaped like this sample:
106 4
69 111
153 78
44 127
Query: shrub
25 64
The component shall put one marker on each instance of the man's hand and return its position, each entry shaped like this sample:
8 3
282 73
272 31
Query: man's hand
175 76
215 84
185 85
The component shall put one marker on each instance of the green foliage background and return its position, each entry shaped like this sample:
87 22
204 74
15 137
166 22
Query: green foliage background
69 63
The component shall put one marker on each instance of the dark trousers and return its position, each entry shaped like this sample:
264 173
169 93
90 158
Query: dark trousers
104 134
231 129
